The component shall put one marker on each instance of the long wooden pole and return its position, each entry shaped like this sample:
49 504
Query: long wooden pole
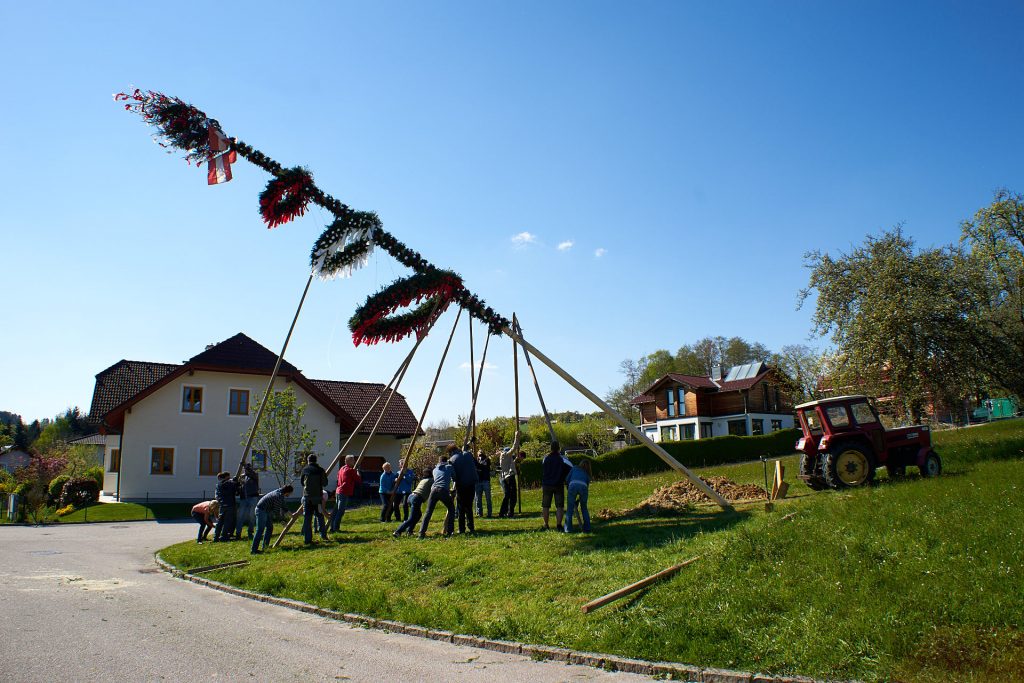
536 385
476 393
615 415
395 378
273 376
472 379
634 587
515 443
423 415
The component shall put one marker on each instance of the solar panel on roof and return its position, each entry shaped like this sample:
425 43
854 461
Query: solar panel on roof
745 371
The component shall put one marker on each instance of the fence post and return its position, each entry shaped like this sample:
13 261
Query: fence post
86 512
147 506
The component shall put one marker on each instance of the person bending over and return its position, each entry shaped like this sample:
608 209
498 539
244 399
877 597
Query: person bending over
266 509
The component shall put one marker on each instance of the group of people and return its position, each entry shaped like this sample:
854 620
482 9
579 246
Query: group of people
233 507
458 481
239 503
469 478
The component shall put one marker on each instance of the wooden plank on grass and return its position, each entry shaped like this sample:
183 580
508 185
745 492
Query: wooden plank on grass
634 587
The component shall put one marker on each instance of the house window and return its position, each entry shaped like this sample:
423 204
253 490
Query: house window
681 393
115 460
776 425
162 461
688 432
764 390
757 427
738 427
706 430
238 402
668 433
210 461
259 461
192 400
777 402
671 402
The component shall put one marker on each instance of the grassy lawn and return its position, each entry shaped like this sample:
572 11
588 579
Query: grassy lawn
121 512
915 580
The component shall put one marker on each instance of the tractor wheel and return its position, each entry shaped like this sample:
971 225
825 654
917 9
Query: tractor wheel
808 469
848 466
932 466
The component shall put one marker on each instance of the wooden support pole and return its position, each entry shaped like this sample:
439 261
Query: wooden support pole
615 415
472 381
270 384
529 364
215 567
634 587
423 415
395 379
476 392
516 442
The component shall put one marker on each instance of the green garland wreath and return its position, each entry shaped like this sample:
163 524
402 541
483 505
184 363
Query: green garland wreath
374 321
345 245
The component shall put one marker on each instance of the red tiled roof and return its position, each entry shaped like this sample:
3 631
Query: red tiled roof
693 381
121 381
240 353
699 383
126 379
739 384
355 398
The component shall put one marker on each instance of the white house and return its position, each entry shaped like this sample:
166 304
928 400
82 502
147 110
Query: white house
169 429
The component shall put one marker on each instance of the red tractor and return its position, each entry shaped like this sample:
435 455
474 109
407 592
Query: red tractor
844 442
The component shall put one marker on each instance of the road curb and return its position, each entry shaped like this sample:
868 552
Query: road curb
667 670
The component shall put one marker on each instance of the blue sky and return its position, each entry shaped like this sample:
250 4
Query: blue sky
691 153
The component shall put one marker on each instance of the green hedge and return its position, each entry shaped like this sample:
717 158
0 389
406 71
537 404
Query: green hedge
636 461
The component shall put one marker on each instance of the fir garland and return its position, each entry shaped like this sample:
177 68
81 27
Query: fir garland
179 124
373 322
346 244
286 196
182 126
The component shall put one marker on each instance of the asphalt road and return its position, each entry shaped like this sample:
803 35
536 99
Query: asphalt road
86 602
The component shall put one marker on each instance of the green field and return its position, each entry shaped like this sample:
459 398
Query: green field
913 580
120 512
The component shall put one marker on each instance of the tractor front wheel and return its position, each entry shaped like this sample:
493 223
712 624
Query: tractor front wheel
848 466
932 466
809 470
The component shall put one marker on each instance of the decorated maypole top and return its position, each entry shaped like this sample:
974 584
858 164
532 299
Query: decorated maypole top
345 245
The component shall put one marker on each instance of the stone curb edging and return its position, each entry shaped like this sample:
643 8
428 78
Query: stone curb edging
666 670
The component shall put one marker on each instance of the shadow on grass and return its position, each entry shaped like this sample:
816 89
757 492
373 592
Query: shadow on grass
652 532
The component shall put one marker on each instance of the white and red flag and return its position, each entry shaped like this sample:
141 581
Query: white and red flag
220 159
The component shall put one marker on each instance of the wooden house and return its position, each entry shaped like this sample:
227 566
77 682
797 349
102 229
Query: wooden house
751 399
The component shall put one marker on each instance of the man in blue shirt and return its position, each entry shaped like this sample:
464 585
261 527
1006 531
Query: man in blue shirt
387 485
555 470
266 508
464 468
249 495
439 493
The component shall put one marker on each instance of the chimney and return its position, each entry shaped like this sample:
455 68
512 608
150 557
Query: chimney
716 373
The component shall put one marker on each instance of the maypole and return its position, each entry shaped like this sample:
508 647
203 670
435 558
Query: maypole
347 243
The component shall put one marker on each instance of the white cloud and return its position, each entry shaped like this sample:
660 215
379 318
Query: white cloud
599 252
488 366
565 246
524 238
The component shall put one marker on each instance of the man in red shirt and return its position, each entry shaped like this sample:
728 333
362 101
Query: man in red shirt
348 480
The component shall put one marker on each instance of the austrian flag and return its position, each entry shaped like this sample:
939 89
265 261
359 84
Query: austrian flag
220 159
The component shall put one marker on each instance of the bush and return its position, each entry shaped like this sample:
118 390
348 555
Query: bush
66 510
636 461
57 486
80 492
95 473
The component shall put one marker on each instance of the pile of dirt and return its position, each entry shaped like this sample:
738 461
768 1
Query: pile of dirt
680 496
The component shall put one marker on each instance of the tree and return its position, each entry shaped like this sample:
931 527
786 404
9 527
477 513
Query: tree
595 433
38 474
896 316
806 369
282 435
995 237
